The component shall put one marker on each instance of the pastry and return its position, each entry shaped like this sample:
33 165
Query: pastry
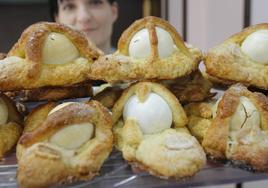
190 88
10 124
47 54
235 127
65 143
241 58
149 49
53 93
149 129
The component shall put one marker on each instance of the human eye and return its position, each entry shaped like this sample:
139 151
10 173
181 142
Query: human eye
95 2
68 6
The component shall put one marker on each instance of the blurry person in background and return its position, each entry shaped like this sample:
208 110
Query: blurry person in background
95 18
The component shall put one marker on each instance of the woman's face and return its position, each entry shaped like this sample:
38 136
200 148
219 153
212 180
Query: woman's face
93 17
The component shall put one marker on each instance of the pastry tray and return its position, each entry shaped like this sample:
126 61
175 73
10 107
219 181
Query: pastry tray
117 173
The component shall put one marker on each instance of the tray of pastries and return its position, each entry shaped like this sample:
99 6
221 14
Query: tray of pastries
155 122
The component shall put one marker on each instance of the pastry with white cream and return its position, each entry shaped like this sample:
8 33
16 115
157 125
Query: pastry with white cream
47 54
149 130
149 49
65 143
234 128
11 125
242 58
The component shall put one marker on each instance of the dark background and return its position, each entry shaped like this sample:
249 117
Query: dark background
15 16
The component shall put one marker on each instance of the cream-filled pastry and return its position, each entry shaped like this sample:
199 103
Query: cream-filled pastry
241 59
64 146
150 48
239 129
149 129
11 122
46 55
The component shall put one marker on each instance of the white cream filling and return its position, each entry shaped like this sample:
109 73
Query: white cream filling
175 142
3 112
58 49
60 106
140 47
256 46
73 136
153 115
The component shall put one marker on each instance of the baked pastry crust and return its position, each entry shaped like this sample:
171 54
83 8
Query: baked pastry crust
53 93
12 129
247 145
23 67
190 88
43 164
226 63
136 146
120 66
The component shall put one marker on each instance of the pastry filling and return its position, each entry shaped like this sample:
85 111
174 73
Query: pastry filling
58 49
73 136
3 112
256 45
153 115
140 47
60 107
175 142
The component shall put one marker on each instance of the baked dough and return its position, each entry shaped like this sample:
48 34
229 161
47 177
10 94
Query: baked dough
190 88
231 62
11 123
53 93
166 56
235 127
47 54
64 144
164 151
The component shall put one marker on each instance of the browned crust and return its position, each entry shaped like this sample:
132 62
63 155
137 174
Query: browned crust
109 96
121 67
29 72
54 93
141 89
190 88
227 64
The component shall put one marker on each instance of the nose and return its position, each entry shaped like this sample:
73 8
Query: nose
84 15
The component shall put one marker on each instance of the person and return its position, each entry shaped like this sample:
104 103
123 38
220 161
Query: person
93 17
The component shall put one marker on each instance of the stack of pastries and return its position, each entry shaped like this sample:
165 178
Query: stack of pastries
156 108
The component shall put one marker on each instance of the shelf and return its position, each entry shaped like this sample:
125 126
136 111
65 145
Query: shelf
117 173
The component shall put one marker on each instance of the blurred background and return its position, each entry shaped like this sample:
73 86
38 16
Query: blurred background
203 23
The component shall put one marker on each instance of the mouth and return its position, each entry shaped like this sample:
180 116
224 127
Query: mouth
87 30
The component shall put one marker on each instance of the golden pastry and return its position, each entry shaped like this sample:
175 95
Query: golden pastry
241 58
10 125
64 144
235 127
149 129
53 93
190 88
149 49
47 54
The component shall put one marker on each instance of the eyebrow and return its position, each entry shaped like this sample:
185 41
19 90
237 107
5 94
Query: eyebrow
63 1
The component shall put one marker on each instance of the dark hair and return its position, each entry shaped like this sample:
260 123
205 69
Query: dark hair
54 8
